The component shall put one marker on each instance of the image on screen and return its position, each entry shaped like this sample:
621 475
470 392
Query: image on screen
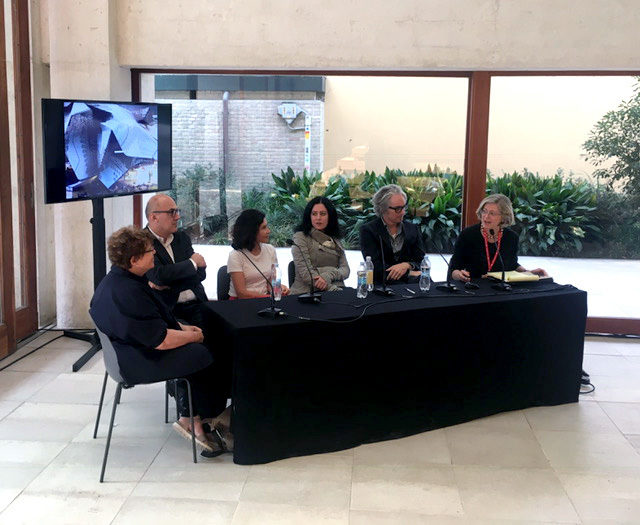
110 148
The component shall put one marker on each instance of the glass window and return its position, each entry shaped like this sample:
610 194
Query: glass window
273 142
553 141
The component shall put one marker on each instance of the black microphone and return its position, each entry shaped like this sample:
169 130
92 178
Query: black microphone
448 286
383 290
312 296
502 285
272 311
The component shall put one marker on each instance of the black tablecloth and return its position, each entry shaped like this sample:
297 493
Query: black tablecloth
409 364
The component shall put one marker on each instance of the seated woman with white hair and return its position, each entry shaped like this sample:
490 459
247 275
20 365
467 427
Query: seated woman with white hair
476 250
400 241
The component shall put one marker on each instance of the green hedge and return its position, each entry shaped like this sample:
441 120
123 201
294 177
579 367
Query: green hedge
558 215
554 215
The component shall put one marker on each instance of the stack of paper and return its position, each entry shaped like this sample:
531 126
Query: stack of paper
514 277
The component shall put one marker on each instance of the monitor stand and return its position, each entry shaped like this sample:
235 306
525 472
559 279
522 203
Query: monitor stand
99 271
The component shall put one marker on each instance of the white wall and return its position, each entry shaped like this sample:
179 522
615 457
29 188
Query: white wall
378 34
81 50
45 234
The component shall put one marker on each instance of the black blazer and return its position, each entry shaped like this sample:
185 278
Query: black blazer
412 249
179 275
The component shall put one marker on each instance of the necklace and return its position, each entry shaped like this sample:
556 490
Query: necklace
491 262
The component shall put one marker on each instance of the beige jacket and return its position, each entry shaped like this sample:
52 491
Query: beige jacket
324 255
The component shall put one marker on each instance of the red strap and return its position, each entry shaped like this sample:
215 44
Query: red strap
490 262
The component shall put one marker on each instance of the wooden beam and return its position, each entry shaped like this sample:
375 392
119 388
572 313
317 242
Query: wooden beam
475 156
7 308
27 314
613 325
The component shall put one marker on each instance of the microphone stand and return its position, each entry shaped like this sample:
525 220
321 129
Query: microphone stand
312 297
448 286
272 312
383 290
503 285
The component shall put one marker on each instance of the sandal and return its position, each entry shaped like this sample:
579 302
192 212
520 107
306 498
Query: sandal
201 439
225 436
216 444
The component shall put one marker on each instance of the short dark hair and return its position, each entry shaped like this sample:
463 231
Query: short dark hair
126 243
332 229
245 229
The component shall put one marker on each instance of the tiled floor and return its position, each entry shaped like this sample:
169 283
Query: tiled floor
575 463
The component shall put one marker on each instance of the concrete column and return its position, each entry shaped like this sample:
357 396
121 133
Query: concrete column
83 65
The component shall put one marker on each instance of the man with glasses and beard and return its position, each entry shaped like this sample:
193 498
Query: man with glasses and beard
400 240
178 271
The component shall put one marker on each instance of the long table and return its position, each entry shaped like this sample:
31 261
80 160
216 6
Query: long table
350 371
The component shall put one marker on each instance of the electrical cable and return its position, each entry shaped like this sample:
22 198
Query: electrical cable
37 334
414 297
613 336
29 353
77 330
365 307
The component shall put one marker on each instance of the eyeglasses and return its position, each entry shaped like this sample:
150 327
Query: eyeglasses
398 209
490 213
149 251
172 211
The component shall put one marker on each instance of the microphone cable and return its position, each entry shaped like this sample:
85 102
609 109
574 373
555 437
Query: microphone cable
364 306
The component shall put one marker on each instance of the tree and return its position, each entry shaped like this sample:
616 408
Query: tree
614 144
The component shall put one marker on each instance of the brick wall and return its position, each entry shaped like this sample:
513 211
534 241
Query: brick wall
260 143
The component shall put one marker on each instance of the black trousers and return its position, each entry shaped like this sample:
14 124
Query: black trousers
189 312
209 393
209 376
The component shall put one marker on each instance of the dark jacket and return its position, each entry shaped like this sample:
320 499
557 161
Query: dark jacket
125 308
179 275
412 249
470 253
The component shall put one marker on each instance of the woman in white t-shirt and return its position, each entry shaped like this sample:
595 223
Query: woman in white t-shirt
250 245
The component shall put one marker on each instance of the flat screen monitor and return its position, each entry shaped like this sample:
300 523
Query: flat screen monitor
98 149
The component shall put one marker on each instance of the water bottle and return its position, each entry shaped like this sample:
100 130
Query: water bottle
425 274
362 289
369 265
276 281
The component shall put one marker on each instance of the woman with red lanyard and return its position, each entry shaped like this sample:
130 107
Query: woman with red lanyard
476 250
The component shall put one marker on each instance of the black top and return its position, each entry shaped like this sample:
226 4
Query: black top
179 275
470 254
136 320
412 250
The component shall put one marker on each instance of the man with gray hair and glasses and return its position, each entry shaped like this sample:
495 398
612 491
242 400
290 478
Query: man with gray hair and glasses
178 271
389 233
